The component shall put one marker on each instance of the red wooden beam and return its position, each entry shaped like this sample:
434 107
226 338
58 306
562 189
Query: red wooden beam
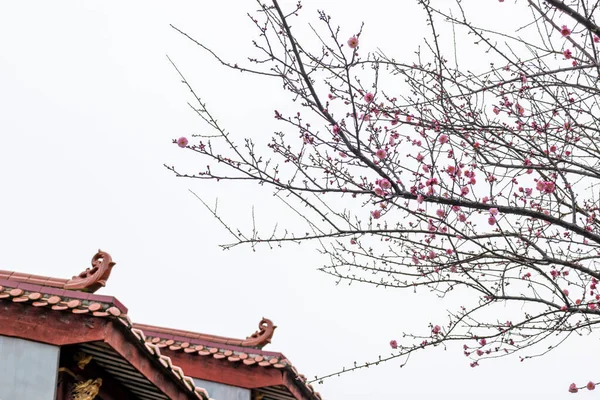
48 326
224 371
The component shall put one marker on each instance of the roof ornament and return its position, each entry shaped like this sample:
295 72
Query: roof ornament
262 336
95 277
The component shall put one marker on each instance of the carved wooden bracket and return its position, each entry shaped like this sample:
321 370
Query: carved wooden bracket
82 359
95 277
87 390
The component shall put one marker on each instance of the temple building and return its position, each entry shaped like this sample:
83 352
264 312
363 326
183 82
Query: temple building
60 340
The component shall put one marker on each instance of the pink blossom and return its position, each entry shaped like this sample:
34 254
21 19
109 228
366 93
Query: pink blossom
369 97
590 385
380 192
567 53
336 129
520 109
443 139
483 342
492 220
353 42
565 31
573 388
381 154
464 191
376 214
436 329
440 213
394 344
566 292
385 184
431 227
342 154
545 186
431 182
494 211
462 217
420 199
563 308
182 142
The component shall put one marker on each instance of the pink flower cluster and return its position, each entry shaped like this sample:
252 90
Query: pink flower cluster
492 218
382 186
545 186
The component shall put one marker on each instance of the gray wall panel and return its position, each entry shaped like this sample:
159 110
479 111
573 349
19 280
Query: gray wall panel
218 391
28 370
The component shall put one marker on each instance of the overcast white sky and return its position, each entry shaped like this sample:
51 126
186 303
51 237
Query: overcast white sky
88 107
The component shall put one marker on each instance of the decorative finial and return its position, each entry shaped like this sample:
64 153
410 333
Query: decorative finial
95 277
262 336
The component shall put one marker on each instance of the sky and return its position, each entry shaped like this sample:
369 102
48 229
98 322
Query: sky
89 105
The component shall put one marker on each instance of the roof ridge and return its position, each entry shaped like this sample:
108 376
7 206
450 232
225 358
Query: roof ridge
90 280
257 340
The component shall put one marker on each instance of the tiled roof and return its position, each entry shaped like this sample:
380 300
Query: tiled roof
18 288
228 350
76 296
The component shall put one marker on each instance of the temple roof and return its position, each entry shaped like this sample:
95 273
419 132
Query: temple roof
76 296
